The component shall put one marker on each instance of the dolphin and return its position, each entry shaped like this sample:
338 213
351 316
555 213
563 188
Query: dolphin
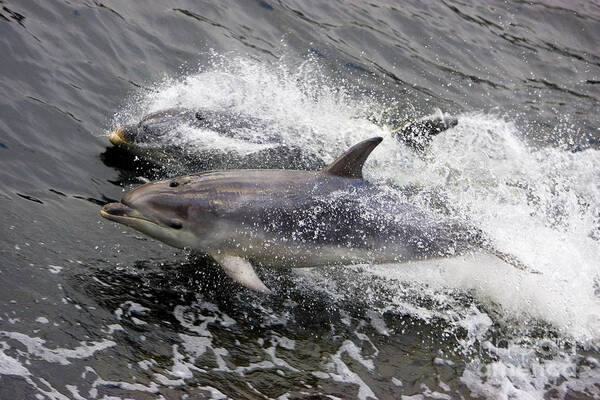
157 125
157 137
290 218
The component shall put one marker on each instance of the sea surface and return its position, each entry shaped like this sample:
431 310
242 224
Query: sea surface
90 309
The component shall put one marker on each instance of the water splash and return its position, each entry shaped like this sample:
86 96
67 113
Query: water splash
540 204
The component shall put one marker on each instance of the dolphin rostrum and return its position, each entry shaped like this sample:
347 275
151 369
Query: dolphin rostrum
290 218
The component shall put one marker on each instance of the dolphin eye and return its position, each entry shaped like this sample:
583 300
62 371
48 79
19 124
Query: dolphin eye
175 224
174 184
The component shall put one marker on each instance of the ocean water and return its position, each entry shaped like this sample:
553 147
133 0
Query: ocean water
94 310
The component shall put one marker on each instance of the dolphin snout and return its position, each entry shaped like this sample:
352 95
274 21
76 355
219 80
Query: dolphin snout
122 136
112 210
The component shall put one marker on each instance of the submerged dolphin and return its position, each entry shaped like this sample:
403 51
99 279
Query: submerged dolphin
156 126
290 218
156 137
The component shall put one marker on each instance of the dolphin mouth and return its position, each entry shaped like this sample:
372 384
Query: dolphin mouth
117 137
126 215
120 212
123 214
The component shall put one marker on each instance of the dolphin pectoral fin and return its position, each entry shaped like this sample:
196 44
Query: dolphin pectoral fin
350 164
241 271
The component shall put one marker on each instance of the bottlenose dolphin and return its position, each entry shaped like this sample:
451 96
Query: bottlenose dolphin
156 137
157 125
160 138
291 218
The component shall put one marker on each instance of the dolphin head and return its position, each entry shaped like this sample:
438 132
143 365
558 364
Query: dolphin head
123 136
162 211
152 128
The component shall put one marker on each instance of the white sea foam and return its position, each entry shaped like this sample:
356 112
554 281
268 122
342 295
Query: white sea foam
14 367
35 346
341 372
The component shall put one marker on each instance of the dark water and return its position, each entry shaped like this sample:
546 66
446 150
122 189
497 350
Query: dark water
89 309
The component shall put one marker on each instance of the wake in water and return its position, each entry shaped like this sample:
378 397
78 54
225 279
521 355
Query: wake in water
510 334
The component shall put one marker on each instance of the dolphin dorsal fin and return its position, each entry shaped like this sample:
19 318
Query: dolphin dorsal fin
350 164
